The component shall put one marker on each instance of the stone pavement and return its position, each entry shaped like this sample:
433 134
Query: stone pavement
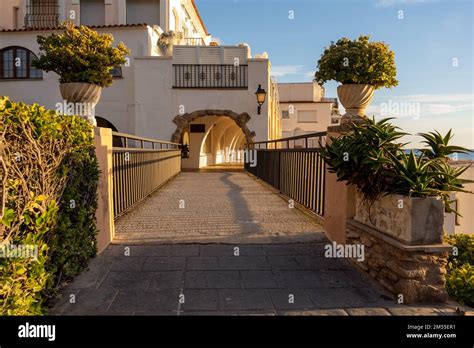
208 279
216 207
235 248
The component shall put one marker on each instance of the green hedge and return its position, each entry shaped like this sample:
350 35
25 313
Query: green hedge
50 183
460 275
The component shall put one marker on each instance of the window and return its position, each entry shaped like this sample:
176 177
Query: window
16 63
307 116
16 17
285 114
197 128
116 71
41 13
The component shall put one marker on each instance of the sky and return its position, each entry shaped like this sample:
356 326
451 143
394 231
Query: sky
432 41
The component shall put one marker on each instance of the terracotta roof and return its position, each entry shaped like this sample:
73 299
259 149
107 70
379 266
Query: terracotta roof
90 26
199 16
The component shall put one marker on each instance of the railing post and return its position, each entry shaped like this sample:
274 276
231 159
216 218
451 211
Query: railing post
105 208
339 202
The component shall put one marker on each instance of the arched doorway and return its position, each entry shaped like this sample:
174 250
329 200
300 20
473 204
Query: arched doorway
214 137
103 123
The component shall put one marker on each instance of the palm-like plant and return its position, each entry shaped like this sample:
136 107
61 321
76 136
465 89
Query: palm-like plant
371 159
361 157
415 176
439 145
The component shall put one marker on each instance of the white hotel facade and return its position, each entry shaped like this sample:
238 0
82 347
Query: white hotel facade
202 94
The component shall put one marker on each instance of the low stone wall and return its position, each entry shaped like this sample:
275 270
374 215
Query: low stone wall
416 272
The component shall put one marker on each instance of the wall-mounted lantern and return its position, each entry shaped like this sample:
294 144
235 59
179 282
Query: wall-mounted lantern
261 95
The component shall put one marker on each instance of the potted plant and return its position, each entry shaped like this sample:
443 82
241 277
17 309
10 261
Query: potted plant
167 40
361 67
402 194
83 59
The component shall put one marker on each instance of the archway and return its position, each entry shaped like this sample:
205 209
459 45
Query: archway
104 123
182 122
215 137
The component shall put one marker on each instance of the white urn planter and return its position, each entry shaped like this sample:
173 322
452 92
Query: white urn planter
355 98
84 96
410 220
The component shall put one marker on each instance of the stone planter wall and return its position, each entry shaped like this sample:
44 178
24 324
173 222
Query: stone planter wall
416 272
411 220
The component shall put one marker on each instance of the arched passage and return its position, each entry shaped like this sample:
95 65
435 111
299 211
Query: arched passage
182 122
104 123
214 136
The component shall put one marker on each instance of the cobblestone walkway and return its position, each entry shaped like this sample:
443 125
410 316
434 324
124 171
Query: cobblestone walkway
262 258
222 207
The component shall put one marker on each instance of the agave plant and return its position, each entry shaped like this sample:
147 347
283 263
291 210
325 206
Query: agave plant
371 159
415 176
439 145
362 157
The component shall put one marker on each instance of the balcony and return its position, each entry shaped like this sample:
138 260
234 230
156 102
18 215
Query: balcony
210 76
193 41
330 100
42 14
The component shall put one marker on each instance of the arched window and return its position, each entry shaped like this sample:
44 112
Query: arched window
15 63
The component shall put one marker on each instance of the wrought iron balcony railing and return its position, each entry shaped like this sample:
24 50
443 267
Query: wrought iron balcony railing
42 14
210 76
330 100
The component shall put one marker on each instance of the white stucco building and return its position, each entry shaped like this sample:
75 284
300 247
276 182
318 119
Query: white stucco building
203 94
305 109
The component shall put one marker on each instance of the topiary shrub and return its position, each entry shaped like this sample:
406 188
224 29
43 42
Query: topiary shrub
358 62
80 55
46 162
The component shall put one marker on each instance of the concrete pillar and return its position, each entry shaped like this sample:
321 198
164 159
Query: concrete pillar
339 201
105 208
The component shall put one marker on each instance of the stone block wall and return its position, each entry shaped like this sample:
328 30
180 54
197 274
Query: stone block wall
416 272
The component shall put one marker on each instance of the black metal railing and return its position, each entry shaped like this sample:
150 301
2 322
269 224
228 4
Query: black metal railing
140 168
329 100
298 172
42 14
210 76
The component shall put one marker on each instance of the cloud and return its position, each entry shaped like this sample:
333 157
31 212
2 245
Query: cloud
437 98
309 74
389 3
422 105
285 70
